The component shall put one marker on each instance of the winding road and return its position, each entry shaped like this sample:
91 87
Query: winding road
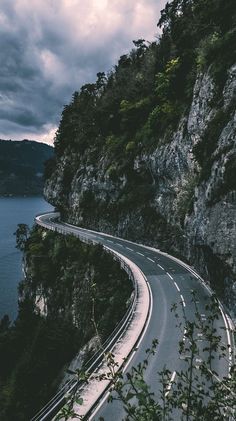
170 281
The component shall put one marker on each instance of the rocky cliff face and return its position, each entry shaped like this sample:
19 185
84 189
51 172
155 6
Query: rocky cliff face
185 202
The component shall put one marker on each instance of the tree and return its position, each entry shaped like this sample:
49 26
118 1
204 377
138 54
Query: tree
4 323
196 393
22 235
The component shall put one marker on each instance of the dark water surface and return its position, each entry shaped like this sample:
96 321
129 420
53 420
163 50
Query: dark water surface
12 212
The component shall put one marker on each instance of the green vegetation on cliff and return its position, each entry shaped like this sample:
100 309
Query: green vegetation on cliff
68 286
147 151
131 107
137 106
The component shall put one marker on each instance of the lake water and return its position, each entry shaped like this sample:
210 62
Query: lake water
12 212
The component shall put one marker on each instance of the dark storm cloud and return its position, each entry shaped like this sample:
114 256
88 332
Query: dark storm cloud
49 48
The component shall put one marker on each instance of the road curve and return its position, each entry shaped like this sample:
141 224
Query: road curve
170 281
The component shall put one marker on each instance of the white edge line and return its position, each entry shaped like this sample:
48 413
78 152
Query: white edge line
228 336
150 297
182 299
176 286
189 268
210 291
150 313
132 354
105 397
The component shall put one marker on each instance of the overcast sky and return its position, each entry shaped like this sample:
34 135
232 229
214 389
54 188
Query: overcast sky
49 48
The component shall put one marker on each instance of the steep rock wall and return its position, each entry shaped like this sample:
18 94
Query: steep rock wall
182 194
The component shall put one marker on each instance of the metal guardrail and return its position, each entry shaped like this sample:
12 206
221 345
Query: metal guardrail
70 385
58 400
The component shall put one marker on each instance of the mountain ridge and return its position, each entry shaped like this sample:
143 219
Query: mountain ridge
22 167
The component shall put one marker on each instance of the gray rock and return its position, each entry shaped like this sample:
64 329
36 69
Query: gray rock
194 219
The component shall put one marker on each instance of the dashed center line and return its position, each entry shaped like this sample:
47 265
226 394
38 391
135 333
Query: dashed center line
170 276
109 241
184 337
198 363
128 248
141 254
176 286
182 299
160 266
153 261
170 383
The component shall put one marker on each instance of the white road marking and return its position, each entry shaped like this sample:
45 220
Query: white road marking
104 399
198 362
170 276
182 299
228 337
109 241
184 357
153 261
130 358
160 266
200 279
170 384
141 254
129 249
184 338
200 336
176 286
149 317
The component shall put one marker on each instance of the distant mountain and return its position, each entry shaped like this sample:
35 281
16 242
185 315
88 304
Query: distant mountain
22 167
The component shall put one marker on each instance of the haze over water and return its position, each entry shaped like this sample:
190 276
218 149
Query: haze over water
12 212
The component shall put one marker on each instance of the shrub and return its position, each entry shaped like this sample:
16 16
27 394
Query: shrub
186 198
112 172
204 149
130 147
206 46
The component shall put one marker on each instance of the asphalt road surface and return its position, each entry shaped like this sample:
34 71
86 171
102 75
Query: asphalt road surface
170 282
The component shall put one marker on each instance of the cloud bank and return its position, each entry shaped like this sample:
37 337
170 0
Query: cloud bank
49 48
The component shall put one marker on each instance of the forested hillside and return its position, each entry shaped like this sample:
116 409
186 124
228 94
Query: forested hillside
22 167
70 290
148 150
